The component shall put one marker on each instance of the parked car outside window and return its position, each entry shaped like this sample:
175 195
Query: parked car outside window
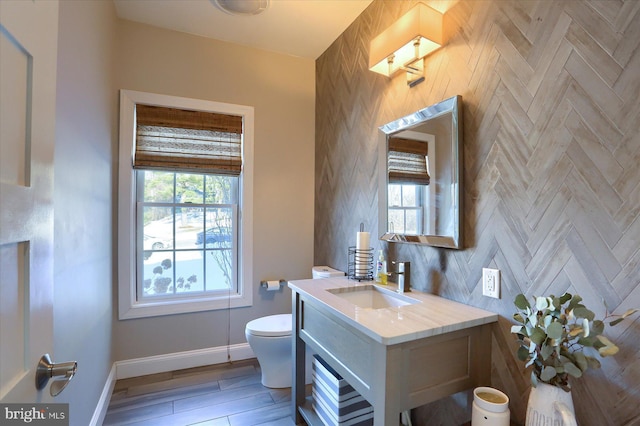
214 235
154 243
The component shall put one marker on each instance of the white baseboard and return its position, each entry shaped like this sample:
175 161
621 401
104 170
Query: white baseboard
181 360
161 364
103 403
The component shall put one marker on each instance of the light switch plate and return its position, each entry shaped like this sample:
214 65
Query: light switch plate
491 282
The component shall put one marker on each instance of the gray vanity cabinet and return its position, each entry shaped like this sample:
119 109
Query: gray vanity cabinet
392 377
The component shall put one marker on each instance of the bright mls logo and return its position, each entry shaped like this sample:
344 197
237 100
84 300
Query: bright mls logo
36 414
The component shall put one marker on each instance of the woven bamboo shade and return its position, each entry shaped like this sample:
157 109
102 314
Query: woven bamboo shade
407 162
175 139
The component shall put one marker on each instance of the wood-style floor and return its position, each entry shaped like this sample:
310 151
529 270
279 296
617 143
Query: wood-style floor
220 395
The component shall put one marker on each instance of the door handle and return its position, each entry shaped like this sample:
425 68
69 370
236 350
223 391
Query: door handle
47 369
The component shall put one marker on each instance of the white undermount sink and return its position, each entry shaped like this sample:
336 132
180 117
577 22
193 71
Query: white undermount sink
372 297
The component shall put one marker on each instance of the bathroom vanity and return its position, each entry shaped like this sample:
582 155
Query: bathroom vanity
399 351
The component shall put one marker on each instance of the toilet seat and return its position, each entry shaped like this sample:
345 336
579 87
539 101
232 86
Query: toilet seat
271 326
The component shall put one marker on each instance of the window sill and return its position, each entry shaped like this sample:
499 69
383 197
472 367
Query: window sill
172 307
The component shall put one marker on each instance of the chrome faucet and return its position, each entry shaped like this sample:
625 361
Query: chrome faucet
404 276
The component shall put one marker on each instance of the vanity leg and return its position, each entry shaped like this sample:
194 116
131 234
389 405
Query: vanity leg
386 388
298 361
385 416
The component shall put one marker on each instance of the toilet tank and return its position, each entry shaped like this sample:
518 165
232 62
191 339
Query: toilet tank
325 272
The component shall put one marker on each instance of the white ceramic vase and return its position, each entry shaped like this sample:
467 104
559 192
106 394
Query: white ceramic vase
550 406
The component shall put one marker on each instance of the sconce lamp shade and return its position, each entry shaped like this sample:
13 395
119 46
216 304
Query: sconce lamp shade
412 37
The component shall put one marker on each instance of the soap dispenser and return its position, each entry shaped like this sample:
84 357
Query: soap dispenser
381 270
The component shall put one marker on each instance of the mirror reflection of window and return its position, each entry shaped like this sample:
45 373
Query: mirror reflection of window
406 213
411 180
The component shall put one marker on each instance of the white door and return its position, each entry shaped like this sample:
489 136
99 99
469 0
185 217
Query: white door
28 51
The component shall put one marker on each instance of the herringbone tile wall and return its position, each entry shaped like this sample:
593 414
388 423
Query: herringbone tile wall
551 93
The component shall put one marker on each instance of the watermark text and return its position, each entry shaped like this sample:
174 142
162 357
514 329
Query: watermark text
36 414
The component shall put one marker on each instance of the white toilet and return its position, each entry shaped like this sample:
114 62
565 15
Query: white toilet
270 339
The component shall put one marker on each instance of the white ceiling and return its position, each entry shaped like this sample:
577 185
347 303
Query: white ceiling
303 28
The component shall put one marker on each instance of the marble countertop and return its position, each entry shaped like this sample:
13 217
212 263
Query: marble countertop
431 316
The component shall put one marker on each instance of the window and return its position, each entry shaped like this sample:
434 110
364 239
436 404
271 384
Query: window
186 230
185 201
405 209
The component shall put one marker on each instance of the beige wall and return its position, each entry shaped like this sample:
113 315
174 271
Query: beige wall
551 153
84 200
281 89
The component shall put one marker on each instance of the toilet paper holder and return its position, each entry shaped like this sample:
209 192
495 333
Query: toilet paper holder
265 283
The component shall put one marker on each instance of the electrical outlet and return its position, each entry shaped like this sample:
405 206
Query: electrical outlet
491 282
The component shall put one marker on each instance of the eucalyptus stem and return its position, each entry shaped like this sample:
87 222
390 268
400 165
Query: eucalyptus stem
553 333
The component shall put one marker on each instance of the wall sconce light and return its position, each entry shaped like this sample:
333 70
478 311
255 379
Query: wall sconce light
403 46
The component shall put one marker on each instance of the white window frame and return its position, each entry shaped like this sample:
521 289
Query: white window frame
128 304
418 207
